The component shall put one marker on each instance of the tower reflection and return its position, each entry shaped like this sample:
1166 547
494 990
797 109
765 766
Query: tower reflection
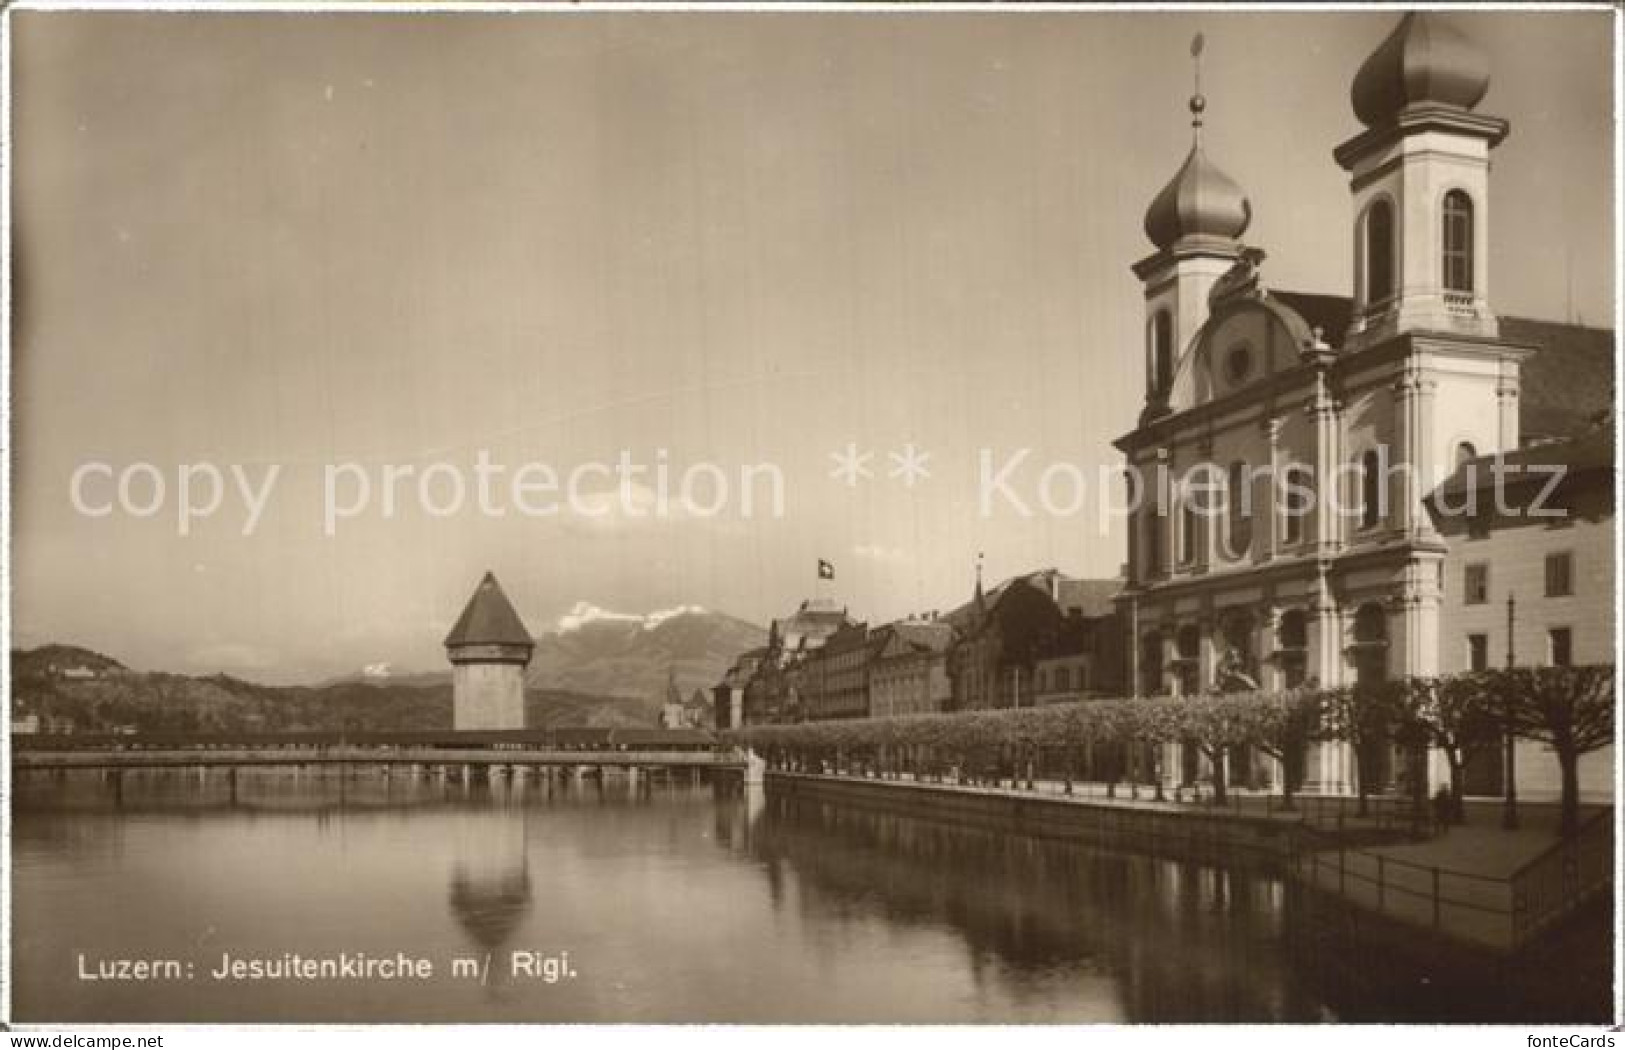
490 890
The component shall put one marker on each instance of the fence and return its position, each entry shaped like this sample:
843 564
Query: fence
1563 878
1503 912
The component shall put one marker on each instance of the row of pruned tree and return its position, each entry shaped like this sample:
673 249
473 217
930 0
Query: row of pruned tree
1569 709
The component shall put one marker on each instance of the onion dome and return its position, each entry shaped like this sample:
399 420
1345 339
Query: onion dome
1201 201
1424 60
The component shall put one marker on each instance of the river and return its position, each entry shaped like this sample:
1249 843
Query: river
581 901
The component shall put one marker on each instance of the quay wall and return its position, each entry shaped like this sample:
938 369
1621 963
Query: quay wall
1185 834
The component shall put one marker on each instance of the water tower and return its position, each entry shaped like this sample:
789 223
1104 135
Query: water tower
489 650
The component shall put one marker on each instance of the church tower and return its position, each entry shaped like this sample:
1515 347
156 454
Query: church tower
1419 174
489 650
1195 224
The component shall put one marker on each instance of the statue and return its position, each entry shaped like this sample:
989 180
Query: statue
1231 675
1242 279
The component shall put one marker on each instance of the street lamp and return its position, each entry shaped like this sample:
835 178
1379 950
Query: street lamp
1509 812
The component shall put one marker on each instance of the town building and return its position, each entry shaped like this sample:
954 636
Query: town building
1083 661
908 668
767 685
1529 580
728 695
833 680
1001 636
489 650
1288 441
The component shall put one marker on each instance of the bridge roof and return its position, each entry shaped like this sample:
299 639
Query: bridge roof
489 619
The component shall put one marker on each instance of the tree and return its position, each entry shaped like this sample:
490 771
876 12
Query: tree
1216 724
1402 703
1571 710
1285 736
1356 715
1458 713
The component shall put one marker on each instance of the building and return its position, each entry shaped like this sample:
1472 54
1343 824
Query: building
1075 666
768 685
1288 441
1529 580
804 630
1001 636
833 680
728 695
908 668
698 713
489 650
672 708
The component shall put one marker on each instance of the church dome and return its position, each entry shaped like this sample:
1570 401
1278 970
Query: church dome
1201 201
1423 60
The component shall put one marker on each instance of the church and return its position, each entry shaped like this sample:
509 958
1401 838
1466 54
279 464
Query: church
1287 458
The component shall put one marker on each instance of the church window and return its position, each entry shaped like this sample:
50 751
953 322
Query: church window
1297 499
1238 364
1239 510
1371 494
1379 252
1189 527
1458 242
1162 352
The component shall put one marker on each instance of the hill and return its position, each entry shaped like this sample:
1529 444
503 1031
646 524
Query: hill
85 691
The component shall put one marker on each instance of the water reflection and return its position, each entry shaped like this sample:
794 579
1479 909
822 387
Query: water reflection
490 879
676 904
1178 941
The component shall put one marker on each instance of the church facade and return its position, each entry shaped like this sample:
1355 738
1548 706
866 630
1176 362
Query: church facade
1288 442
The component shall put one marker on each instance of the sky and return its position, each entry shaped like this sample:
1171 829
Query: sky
340 245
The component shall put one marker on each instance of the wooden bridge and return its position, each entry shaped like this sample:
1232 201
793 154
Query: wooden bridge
505 751
517 758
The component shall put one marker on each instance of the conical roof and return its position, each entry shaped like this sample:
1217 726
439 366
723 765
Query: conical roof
489 619
1424 59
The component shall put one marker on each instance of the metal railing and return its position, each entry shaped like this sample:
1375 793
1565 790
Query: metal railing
1461 304
1503 912
1564 877
1466 905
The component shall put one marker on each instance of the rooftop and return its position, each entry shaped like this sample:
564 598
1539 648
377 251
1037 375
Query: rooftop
1568 381
489 619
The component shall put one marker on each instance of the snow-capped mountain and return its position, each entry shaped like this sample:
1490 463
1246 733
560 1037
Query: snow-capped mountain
606 653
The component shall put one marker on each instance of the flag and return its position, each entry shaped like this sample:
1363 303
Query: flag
826 571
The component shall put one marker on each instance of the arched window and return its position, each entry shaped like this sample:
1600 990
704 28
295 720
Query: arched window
1370 644
1239 510
1372 510
1292 645
1162 352
1151 683
1458 242
1189 531
1297 499
1293 633
1188 647
1464 452
1379 252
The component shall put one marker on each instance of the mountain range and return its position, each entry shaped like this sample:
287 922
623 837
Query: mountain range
596 652
597 668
